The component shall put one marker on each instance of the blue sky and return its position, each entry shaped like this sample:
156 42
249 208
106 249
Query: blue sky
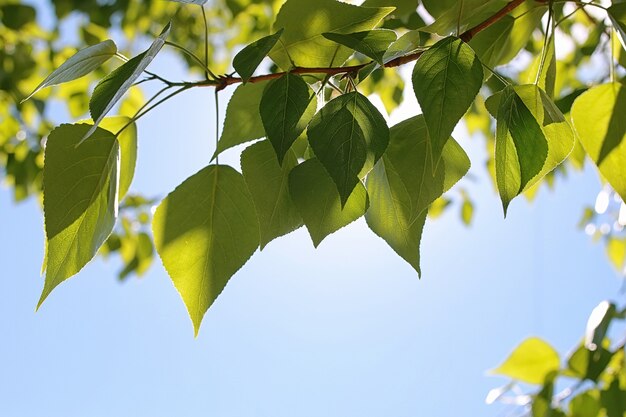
344 330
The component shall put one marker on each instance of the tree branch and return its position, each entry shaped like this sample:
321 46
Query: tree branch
224 81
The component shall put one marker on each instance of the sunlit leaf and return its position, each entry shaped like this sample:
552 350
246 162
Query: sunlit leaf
80 199
371 43
532 361
205 231
78 65
268 183
314 193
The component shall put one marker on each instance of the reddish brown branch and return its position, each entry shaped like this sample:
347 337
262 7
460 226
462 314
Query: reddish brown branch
466 36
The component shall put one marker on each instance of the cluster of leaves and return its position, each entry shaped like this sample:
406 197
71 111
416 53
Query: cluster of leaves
590 383
325 155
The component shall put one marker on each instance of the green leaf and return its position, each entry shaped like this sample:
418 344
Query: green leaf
402 187
464 14
585 364
613 399
318 201
494 42
407 43
243 121
128 149
617 14
371 43
198 2
205 231
79 64
598 324
446 79
585 404
403 7
80 196
437 7
520 149
599 121
305 21
348 136
249 58
532 361
112 87
287 106
268 183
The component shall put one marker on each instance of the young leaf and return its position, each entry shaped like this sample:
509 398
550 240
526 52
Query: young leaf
402 186
371 43
287 106
205 231
348 136
80 196
304 23
112 87
78 65
599 121
318 201
554 133
446 79
268 183
532 361
249 58
243 121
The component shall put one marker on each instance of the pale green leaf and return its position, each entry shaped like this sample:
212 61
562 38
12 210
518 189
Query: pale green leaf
287 106
348 136
112 87
407 43
205 231
402 186
243 121
314 193
532 361
371 43
249 58
128 149
268 183
79 65
305 21
403 7
598 117
617 14
80 197
446 79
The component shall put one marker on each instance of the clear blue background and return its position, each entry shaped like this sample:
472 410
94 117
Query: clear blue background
344 330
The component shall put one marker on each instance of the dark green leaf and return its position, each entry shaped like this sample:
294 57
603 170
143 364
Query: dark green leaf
268 183
198 2
205 231
249 58
587 364
243 121
617 14
287 106
318 201
348 136
112 87
446 79
613 399
79 64
15 16
80 199
371 43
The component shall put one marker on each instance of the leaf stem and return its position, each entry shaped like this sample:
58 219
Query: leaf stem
208 72
217 125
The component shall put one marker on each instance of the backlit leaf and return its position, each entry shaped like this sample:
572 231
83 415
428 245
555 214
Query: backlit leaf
305 22
402 186
314 193
79 64
205 231
112 87
243 121
598 117
532 361
80 200
268 183
446 79
348 136
617 14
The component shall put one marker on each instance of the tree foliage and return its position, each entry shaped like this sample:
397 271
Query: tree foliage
324 154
